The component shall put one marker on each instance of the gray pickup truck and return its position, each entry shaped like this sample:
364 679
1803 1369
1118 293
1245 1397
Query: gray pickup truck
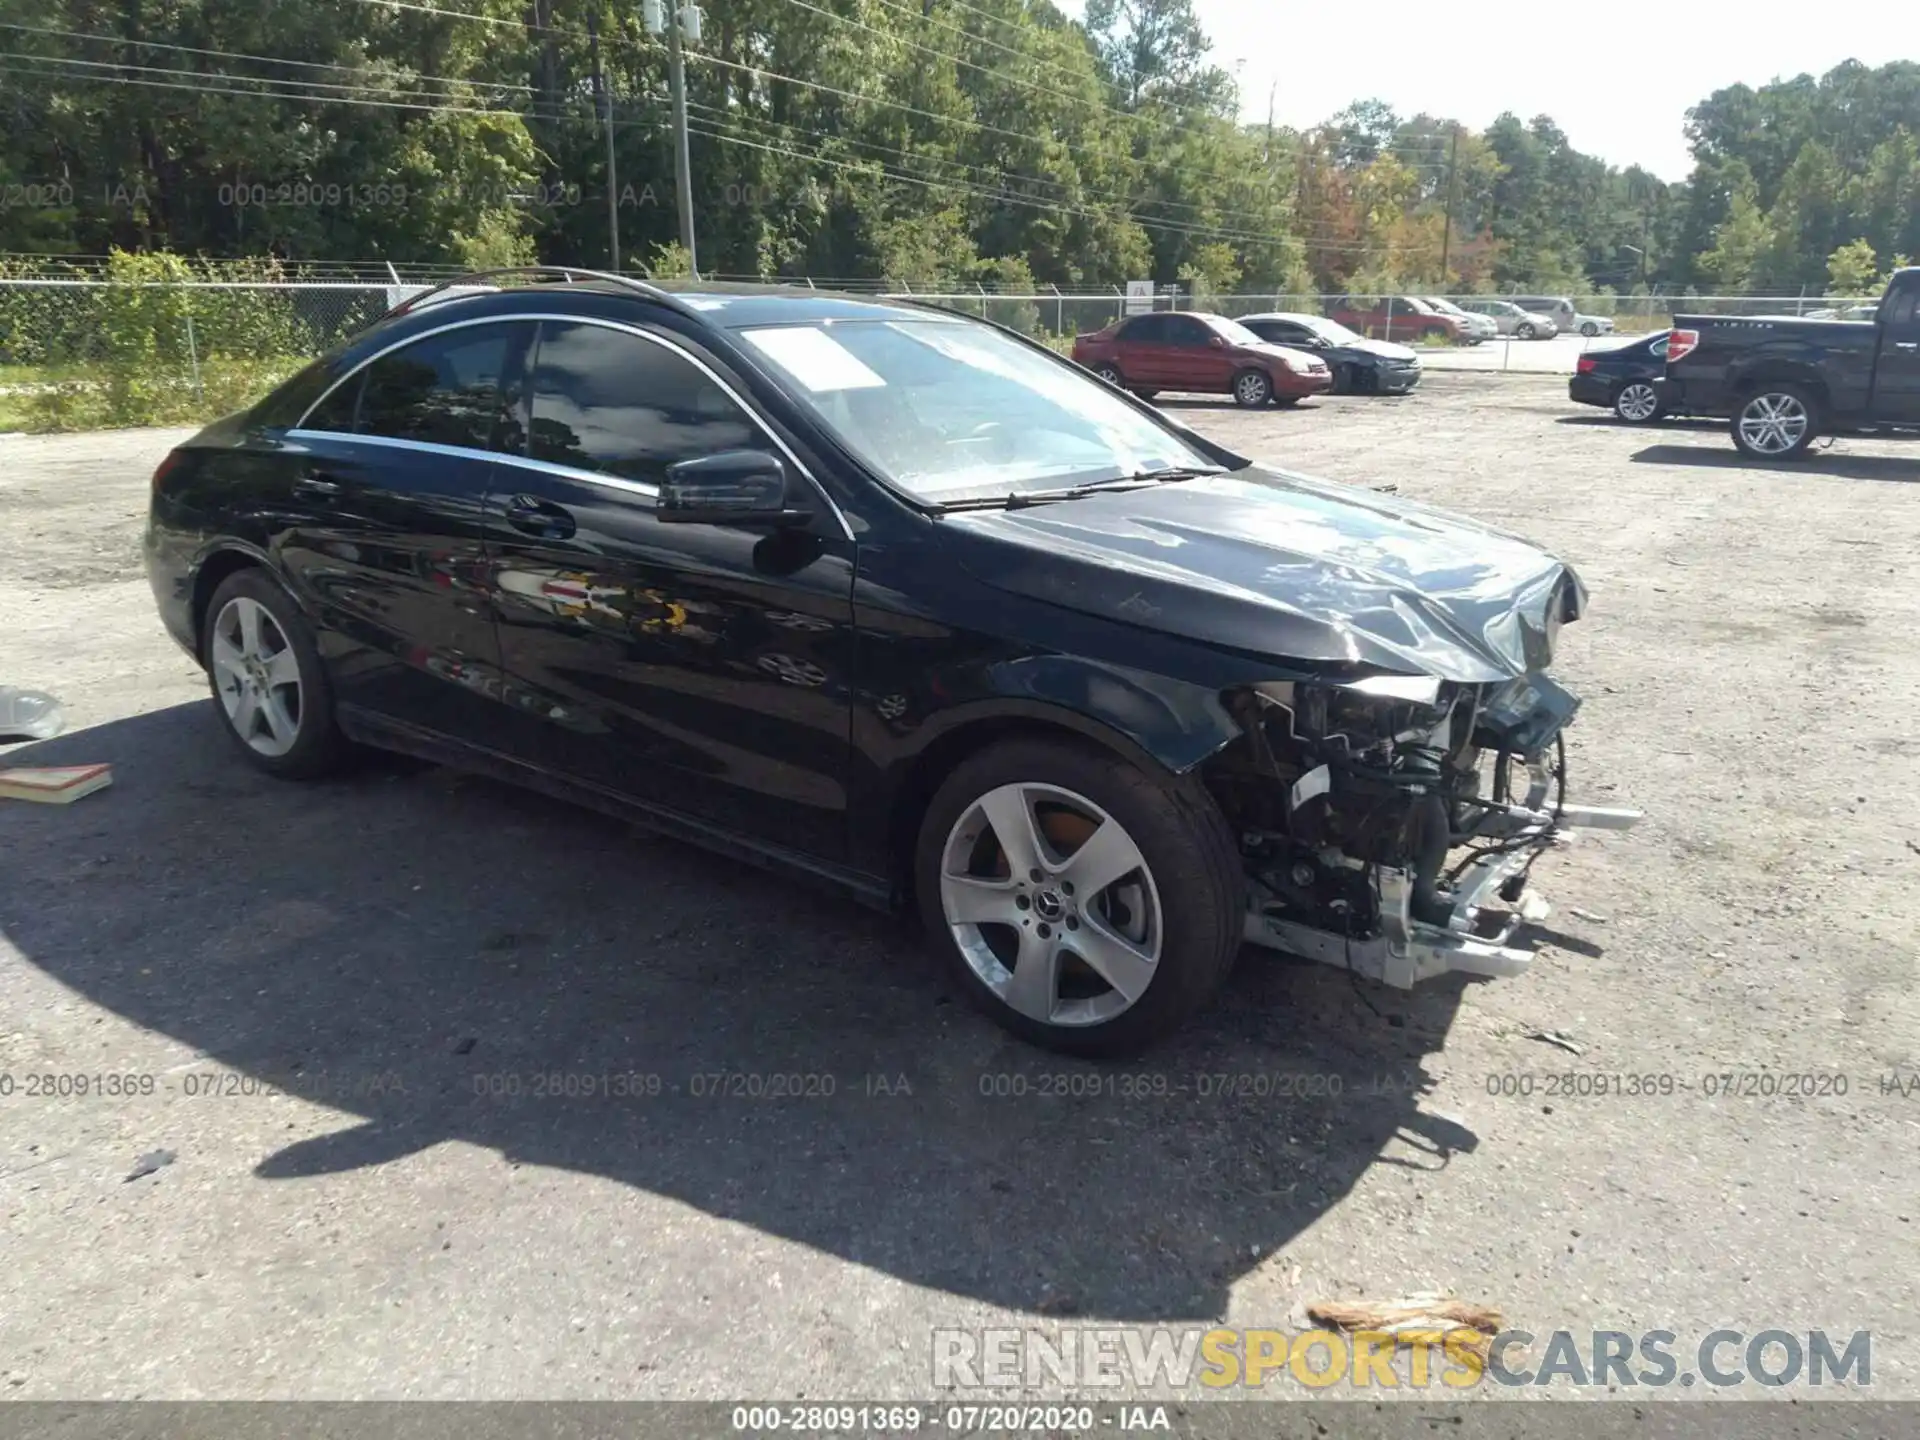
1784 381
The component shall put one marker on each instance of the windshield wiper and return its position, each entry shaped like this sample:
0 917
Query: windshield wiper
1139 480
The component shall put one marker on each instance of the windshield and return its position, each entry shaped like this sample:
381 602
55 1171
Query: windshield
1329 330
1234 331
947 410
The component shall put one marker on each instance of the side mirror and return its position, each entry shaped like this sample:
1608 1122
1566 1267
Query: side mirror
733 487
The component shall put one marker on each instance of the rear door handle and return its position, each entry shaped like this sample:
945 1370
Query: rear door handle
543 518
318 485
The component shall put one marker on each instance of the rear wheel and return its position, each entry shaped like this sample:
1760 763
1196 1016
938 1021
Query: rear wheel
268 682
1252 388
1083 904
1777 422
1637 402
1110 373
1589 329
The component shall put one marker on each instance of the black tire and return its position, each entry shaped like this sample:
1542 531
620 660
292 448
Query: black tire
1523 331
1110 373
1342 380
1252 389
1589 329
1190 857
1629 404
1784 398
318 748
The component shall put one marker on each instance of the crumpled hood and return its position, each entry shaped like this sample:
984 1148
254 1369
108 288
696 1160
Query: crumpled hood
1273 563
1384 349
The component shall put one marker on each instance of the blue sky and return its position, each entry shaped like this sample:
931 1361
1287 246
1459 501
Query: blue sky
1617 79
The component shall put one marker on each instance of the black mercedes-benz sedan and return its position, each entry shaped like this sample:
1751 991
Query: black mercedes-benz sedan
1624 379
1360 366
899 599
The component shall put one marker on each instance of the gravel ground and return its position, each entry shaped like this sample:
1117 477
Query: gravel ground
335 1006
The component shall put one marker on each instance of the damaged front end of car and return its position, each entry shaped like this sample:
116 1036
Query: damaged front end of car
1389 823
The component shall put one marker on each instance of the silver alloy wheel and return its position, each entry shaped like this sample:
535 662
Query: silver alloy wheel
1775 423
1052 904
1109 373
1589 330
1524 332
258 676
1252 388
1637 402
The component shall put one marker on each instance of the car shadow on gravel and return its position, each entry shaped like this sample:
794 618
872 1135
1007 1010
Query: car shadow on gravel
450 959
1817 462
1608 421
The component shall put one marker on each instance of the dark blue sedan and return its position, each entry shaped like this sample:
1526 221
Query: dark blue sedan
1624 379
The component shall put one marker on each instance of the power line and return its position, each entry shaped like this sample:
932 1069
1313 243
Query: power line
303 94
958 188
239 55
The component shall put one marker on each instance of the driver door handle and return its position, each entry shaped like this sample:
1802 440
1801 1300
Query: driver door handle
317 484
533 516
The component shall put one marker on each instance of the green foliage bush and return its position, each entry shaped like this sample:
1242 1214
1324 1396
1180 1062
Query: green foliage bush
166 341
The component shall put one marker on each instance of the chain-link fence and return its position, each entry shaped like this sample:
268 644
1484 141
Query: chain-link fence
78 350
81 353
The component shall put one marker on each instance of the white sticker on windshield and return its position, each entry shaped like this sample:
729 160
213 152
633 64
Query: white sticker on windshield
815 359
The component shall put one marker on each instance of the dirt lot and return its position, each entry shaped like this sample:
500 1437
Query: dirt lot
336 1005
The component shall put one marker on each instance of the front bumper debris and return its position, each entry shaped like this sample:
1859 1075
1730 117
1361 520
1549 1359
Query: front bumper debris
1476 939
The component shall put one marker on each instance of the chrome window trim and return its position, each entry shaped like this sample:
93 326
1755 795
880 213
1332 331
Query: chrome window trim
462 452
613 482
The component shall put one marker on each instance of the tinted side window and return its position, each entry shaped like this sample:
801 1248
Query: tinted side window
1184 330
606 400
446 389
1901 310
1279 333
1145 330
336 412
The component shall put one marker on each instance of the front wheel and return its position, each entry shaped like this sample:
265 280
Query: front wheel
1637 403
1252 389
1778 422
1110 373
1523 332
1590 330
1085 905
268 681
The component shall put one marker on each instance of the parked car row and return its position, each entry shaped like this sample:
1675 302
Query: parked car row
1259 359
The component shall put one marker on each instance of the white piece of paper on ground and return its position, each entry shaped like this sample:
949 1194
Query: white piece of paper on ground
815 359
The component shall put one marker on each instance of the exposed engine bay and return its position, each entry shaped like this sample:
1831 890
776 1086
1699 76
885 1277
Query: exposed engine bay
1380 818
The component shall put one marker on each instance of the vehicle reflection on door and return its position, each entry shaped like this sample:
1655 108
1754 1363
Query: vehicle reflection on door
653 656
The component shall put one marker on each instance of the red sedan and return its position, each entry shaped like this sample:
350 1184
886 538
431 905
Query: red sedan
1187 350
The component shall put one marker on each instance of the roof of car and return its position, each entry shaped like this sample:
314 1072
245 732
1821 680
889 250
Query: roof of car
736 306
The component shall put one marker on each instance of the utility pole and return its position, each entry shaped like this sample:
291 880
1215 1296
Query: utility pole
1446 238
605 95
682 157
685 19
